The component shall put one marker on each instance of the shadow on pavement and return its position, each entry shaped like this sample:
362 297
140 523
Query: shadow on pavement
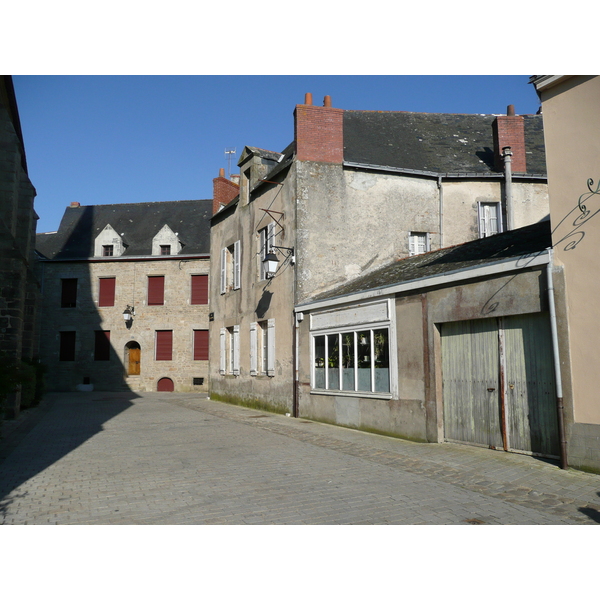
60 424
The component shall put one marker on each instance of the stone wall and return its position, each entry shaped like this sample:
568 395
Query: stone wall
176 314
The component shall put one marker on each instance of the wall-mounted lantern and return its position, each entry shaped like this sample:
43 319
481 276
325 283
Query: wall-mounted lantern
128 315
271 262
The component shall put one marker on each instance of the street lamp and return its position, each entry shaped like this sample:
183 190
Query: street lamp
271 262
128 315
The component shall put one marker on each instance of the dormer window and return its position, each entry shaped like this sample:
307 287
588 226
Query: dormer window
166 242
108 243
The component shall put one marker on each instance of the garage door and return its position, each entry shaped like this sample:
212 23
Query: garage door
498 384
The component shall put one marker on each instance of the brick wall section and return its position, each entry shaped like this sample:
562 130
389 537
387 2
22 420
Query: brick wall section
224 191
510 131
319 133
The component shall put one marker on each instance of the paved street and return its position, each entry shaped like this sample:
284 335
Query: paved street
154 458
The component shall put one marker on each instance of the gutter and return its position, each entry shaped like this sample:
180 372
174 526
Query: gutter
99 259
436 175
465 274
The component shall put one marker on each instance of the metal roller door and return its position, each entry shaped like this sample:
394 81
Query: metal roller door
498 384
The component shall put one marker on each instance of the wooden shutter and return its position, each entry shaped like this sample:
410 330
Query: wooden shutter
237 264
199 289
253 349
200 344
106 294
271 347
223 351
236 349
67 345
164 345
156 290
69 293
224 253
102 345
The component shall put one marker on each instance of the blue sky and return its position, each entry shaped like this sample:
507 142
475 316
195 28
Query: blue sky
114 139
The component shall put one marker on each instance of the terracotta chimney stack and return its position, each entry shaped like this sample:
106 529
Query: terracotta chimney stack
308 99
319 132
509 131
224 191
75 205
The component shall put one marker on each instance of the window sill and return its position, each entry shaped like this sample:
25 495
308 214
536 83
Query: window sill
349 394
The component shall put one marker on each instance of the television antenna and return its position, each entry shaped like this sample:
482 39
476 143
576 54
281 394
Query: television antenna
229 154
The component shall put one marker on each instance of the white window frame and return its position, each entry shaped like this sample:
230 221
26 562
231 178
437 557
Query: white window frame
262 348
484 220
229 358
231 267
418 243
223 351
265 241
366 315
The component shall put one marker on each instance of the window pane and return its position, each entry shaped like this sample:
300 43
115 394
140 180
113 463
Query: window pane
164 345
382 360
106 296
364 360
333 362
156 290
69 293
67 345
320 362
348 361
101 345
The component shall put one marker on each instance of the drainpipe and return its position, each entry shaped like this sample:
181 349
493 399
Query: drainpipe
558 379
441 196
507 157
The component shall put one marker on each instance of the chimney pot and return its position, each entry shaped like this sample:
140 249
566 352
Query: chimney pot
308 98
510 110
75 205
221 172
327 101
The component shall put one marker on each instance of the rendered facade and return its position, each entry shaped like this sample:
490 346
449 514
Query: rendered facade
571 111
354 192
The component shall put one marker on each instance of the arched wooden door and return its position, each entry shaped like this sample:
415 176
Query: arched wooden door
165 385
134 358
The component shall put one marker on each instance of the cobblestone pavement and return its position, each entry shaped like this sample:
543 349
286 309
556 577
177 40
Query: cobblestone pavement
153 458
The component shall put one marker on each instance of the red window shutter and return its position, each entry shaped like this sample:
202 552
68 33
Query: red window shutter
102 345
200 344
106 296
67 345
69 293
156 290
164 345
199 289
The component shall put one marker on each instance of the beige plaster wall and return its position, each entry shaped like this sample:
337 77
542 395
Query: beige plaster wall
571 125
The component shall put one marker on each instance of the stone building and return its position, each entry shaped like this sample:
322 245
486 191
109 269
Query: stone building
19 288
354 191
125 297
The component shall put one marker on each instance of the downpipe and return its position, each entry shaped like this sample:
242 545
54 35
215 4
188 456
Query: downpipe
557 374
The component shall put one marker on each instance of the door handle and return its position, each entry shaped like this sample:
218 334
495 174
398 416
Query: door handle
491 389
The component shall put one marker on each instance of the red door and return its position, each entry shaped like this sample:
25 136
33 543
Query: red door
165 385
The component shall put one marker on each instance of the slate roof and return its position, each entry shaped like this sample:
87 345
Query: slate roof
434 142
513 244
138 223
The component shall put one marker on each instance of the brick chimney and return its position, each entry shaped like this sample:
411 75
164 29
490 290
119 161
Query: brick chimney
318 131
224 191
509 130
